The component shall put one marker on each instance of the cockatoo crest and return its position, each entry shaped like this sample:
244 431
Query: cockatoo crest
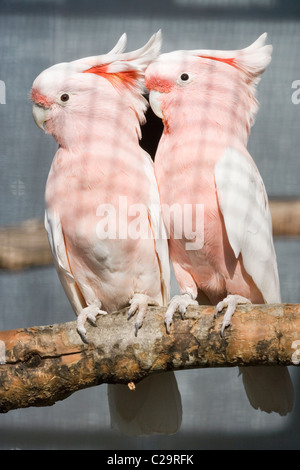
213 77
125 71
119 67
252 60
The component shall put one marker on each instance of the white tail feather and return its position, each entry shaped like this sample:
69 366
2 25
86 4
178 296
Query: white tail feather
153 407
268 388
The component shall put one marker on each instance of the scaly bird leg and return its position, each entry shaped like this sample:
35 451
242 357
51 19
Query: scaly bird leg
231 302
88 313
139 304
179 303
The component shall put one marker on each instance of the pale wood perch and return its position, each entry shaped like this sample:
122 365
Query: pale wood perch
285 218
44 364
26 245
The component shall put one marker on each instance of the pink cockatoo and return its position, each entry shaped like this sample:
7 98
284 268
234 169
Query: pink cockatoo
93 107
206 99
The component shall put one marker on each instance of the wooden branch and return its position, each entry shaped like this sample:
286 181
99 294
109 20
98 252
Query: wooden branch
41 365
26 244
285 218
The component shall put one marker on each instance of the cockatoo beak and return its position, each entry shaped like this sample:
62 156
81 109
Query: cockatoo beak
155 102
39 115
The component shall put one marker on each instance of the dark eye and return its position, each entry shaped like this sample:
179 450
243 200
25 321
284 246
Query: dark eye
64 97
184 77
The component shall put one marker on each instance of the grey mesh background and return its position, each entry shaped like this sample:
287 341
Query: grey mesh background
35 34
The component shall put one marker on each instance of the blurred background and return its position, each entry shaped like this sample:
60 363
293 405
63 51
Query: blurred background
35 34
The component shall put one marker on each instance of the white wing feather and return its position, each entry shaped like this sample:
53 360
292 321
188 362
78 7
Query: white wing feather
60 257
244 204
158 230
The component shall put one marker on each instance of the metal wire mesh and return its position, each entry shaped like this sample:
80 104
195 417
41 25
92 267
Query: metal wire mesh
36 34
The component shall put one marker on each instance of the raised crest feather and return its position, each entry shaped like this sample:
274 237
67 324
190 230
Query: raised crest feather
120 46
117 61
252 60
126 77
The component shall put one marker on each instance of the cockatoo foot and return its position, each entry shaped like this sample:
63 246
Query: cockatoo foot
139 304
231 302
88 313
179 303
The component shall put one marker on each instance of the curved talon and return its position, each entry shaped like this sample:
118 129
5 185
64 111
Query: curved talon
92 319
230 302
179 303
168 323
139 304
137 327
219 308
182 311
133 309
82 334
88 314
168 327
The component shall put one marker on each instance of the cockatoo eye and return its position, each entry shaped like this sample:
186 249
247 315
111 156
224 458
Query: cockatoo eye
184 79
64 97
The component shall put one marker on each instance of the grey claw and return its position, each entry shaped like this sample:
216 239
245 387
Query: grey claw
137 327
130 315
168 324
83 337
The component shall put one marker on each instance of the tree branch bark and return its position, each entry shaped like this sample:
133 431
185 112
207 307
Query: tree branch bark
41 365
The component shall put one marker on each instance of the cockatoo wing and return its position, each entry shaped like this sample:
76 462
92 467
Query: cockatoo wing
158 230
244 205
60 257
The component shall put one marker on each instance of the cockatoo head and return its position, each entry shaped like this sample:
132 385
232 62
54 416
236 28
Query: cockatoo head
68 97
217 85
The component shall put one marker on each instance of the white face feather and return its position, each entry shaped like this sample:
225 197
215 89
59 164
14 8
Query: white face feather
54 78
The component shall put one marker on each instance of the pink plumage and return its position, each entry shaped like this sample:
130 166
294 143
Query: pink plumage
93 107
207 100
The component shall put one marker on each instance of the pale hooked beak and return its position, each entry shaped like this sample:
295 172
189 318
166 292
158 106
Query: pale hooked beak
155 102
39 115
